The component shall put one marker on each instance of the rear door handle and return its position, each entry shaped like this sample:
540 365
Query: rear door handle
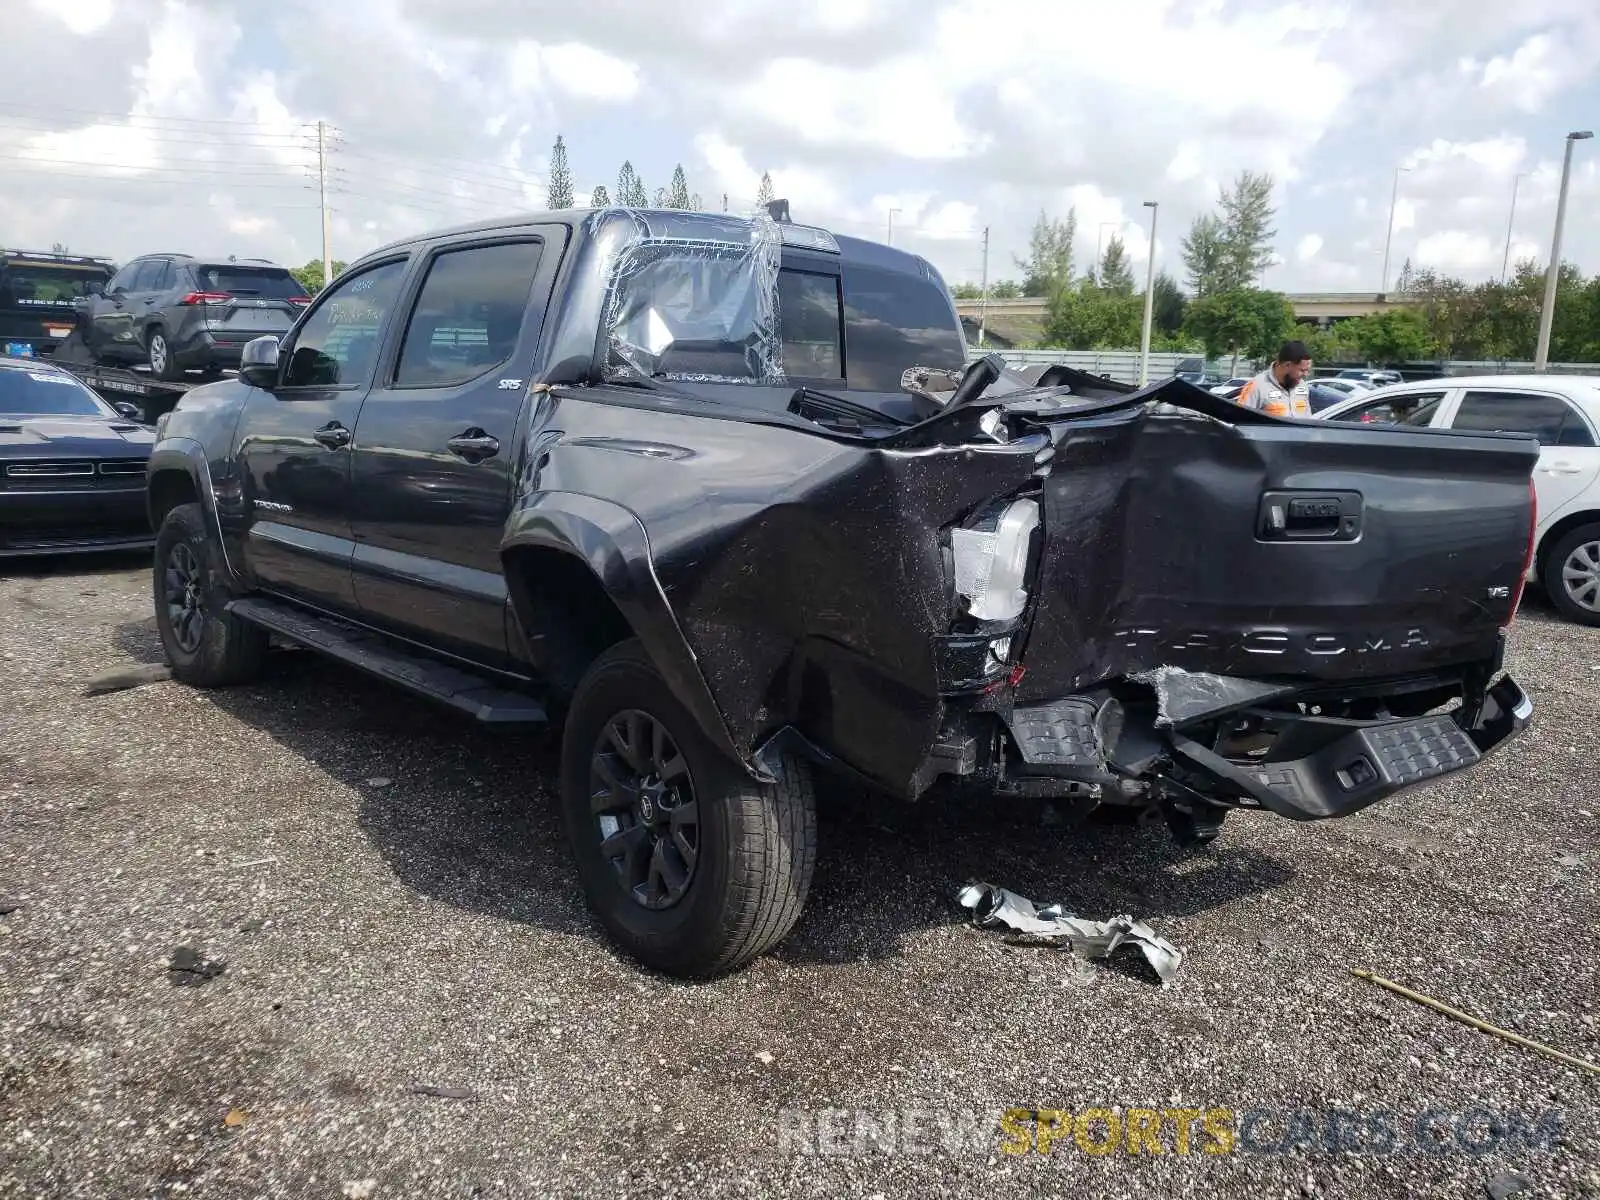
473 445
1561 468
333 435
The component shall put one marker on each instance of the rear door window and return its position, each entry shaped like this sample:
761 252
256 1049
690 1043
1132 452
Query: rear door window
1549 418
149 275
468 314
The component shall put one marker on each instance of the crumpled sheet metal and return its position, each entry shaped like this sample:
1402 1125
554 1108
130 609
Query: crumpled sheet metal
1183 696
996 907
665 293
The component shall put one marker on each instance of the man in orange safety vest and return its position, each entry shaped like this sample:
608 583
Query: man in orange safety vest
1281 390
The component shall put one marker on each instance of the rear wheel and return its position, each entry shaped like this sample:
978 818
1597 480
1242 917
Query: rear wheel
158 351
693 868
206 646
1571 575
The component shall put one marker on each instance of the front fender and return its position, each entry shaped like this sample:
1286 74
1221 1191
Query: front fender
613 542
186 456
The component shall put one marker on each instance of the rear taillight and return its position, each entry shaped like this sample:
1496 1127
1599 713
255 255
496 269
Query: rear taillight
302 301
206 298
1527 555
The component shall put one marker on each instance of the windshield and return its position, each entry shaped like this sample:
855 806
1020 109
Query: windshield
46 394
265 282
29 286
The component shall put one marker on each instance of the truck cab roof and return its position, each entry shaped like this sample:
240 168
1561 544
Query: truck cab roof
708 299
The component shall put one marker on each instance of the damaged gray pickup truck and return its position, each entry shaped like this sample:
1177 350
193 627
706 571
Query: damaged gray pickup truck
723 497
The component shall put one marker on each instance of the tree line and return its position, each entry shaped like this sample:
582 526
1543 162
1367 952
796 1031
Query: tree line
631 190
1224 253
1224 310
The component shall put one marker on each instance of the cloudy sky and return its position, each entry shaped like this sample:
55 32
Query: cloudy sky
128 126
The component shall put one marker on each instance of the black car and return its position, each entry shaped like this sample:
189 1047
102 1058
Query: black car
72 467
1325 397
40 295
177 313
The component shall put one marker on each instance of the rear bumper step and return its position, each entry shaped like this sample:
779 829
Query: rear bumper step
1369 762
1317 767
471 694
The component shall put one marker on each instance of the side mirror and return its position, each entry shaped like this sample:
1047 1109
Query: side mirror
132 411
95 287
258 363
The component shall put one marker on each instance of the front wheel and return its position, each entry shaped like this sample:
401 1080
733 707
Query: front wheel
1571 575
205 644
692 867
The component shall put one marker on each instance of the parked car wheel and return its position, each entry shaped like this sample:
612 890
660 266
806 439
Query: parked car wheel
158 351
692 867
1571 575
205 645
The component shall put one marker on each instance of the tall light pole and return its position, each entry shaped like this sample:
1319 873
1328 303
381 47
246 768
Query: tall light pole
892 212
1552 273
1394 197
1149 297
1510 223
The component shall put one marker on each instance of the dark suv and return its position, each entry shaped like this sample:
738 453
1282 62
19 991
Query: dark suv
177 313
39 297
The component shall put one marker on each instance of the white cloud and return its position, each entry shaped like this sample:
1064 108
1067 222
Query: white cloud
592 74
1526 78
890 109
82 17
961 114
1458 250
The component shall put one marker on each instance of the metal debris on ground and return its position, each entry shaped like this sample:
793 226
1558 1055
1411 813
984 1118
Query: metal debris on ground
995 907
124 678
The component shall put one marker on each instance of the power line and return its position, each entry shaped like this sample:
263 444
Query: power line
164 137
508 175
154 120
187 170
216 183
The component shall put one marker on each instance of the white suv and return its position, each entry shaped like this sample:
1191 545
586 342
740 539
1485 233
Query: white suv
1563 412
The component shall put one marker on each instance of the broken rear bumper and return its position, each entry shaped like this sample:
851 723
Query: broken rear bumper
1314 767
1321 768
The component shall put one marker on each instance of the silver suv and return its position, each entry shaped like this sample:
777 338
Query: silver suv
176 313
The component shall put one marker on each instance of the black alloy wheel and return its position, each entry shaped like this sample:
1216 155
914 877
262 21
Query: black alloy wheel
183 589
646 814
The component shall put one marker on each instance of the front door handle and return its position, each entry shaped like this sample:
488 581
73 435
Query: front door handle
333 435
1561 468
473 445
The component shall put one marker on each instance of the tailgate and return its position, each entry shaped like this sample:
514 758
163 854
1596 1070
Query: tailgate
250 316
1273 548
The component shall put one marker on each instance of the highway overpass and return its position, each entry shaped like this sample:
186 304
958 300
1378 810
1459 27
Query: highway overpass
1308 306
1021 322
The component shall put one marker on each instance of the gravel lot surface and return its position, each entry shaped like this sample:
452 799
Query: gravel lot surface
413 1001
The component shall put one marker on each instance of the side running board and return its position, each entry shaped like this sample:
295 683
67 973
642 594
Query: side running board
471 694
